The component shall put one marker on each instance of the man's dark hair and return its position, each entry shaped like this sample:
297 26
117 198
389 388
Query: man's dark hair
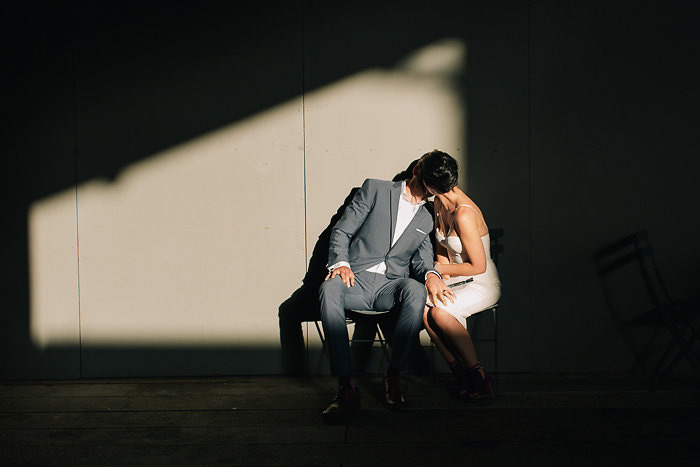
406 174
439 171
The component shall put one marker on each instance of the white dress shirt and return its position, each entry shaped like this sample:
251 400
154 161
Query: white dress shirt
407 211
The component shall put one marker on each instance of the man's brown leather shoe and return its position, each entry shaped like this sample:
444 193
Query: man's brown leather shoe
346 402
393 396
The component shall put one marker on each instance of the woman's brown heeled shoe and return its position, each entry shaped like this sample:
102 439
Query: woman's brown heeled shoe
460 373
481 384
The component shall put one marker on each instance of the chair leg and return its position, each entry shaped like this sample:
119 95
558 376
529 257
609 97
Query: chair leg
320 335
324 343
495 347
382 342
685 350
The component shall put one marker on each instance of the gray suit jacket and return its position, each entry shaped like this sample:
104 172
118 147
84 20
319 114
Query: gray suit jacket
362 237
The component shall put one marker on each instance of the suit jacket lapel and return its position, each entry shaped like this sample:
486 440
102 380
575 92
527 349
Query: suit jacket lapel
394 205
417 220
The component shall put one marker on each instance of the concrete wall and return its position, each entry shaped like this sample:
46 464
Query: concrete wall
168 171
614 150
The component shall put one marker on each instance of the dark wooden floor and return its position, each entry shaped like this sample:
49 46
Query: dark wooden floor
536 420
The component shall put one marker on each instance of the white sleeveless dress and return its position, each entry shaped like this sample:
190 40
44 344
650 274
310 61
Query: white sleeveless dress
484 291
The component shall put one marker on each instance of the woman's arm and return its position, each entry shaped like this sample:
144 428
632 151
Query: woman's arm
442 258
468 227
440 250
441 254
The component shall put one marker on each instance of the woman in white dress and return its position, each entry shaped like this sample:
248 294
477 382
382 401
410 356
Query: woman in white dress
463 252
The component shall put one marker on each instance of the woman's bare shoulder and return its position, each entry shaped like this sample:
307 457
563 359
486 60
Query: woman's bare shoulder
467 218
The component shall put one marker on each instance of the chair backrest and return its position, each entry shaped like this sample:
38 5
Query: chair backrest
634 251
636 297
496 235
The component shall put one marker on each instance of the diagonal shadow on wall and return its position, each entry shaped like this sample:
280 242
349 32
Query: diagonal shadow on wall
147 78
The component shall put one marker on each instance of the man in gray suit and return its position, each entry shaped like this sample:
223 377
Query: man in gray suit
381 239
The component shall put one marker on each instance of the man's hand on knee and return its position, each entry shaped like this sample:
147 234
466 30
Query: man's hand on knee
437 290
345 274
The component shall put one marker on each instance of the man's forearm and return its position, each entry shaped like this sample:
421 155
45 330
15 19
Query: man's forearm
338 248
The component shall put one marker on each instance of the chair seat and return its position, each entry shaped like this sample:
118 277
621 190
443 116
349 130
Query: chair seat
492 307
370 312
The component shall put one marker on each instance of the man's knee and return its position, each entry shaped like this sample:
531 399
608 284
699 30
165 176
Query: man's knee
414 291
331 298
332 288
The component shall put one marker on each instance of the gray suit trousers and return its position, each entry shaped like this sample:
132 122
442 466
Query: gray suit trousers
371 292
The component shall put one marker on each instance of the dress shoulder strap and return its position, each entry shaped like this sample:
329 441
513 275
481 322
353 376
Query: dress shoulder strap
472 208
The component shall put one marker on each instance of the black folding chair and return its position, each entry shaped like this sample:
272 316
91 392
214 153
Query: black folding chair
660 331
